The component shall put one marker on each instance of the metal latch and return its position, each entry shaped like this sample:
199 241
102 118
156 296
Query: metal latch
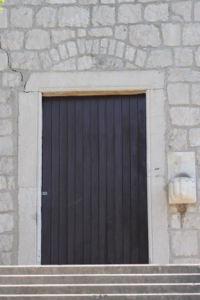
44 193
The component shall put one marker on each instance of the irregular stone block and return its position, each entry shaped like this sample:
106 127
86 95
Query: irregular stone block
6 258
130 53
12 79
6 202
12 40
100 32
5 127
5 110
62 35
21 17
120 49
4 18
196 94
72 49
159 58
69 65
25 60
6 166
45 60
178 139
46 17
145 35
183 57
185 243
140 58
37 39
121 32
178 93
129 13
194 137
156 12
6 146
197 11
171 34
4 95
54 55
183 75
73 16
185 116
3 183
6 222
3 60
103 15
182 11
191 34
6 242
86 62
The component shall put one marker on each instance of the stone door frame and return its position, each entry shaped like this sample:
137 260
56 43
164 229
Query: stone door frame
30 150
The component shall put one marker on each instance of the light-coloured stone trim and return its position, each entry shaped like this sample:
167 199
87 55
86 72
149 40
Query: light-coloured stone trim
30 133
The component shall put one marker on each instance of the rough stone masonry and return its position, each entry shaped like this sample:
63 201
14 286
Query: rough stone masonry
95 35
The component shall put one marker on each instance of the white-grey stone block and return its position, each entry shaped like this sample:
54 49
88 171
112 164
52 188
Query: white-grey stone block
4 18
159 59
120 49
4 95
178 93
103 46
129 13
183 57
11 79
5 127
3 184
171 34
156 12
191 34
73 16
183 75
86 62
175 221
103 15
37 39
121 32
54 55
46 17
6 166
197 11
100 32
6 202
12 40
178 139
185 243
5 110
72 49
3 60
11 183
145 35
6 258
185 116
6 146
191 221
81 32
69 65
6 222
26 60
197 57
111 47
130 53
21 17
6 242
194 137
45 59
81 46
140 58
63 51
182 11
196 94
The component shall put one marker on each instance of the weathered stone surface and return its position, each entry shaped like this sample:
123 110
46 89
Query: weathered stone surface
54 55
88 45
45 59
182 11
12 40
178 139
156 12
46 17
61 35
121 32
130 53
103 46
63 52
69 65
4 95
5 127
183 57
25 60
109 62
11 183
196 94
21 17
6 202
129 13
6 222
171 34
3 60
194 137
6 258
6 166
6 242
5 110
6 146
191 34
175 221
98 32
37 39
197 57
185 116
197 11
86 62
73 16
81 32
145 35
4 18
178 93
3 183
72 49
111 47
191 221
103 15
159 58
183 75
11 79
185 243
140 58
120 49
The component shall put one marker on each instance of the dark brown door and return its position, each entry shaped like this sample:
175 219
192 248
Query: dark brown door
94 204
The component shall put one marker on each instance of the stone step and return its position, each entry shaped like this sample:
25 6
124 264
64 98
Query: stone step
100 269
104 297
100 288
99 278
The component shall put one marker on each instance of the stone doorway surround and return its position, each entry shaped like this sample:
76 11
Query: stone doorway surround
30 150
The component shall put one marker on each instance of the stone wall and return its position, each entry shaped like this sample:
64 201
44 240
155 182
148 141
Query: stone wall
95 35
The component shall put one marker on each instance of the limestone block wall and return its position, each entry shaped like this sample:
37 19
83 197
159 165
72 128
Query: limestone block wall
95 35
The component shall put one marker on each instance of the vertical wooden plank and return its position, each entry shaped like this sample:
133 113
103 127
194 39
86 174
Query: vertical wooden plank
71 181
79 182
94 180
134 180
126 178
55 182
118 180
102 181
46 182
143 223
63 181
110 182
86 181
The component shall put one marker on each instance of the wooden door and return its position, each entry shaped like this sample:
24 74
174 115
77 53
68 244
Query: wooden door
94 204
